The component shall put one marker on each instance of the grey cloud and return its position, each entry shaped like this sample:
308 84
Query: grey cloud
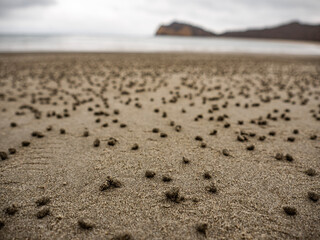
6 6
144 16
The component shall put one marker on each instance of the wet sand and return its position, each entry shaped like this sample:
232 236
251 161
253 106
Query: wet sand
159 146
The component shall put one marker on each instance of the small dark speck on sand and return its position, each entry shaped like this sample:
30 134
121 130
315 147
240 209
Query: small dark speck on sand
2 224
202 228
311 172
11 210
213 132
272 133
241 138
313 196
178 128
25 144
313 137
295 131
150 174
289 157
96 143
262 138
211 188
198 138
110 183
207 175
112 141
85 224
226 152
203 145
290 210
85 134
166 179
279 156
37 134
62 131
250 148
155 130
43 212
13 124
135 147
291 139
3 155
185 160
163 135
43 201
125 236
174 195
12 150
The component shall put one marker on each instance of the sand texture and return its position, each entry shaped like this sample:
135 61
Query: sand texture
159 146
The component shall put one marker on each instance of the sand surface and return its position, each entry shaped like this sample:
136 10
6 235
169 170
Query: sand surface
119 99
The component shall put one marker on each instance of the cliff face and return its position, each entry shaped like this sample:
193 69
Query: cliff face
291 31
182 29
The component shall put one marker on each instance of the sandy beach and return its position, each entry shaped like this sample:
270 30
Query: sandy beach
159 146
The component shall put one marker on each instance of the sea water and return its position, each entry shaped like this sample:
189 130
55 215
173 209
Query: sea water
102 43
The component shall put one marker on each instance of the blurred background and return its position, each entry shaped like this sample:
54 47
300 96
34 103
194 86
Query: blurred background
130 25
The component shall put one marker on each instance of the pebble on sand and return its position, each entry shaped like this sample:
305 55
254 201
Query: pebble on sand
279 156
203 145
2 224
155 130
311 172
313 137
25 143
313 196
211 188
125 236
3 156
96 143
289 157
207 175
150 174
112 141
135 147
185 160
12 150
110 183
173 195
202 228
290 210
11 210
250 147
163 135
166 178
213 132
85 224
43 212
85 133
225 152
43 201
198 138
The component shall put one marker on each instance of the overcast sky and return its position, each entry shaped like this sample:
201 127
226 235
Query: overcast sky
142 17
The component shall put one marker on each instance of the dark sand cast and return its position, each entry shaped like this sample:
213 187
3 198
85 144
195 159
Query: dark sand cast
159 146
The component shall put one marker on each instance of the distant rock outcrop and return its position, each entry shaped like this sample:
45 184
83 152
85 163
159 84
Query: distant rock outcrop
182 29
291 31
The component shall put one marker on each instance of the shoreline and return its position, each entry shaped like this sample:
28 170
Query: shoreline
248 54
